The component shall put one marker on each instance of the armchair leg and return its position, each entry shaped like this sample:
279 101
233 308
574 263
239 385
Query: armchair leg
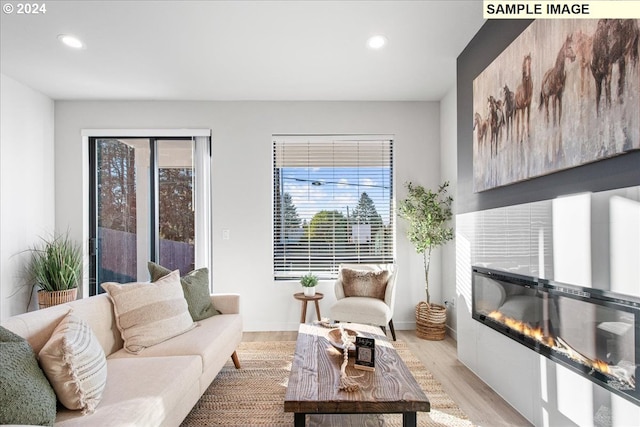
393 331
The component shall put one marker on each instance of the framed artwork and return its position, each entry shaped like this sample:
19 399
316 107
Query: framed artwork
562 94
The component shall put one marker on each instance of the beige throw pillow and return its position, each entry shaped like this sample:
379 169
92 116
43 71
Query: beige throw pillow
74 362
149 313
357 283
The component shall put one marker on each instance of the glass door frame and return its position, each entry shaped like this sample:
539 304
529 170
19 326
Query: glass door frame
201 161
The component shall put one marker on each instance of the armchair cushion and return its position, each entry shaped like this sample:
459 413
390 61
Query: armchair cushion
357 283
361 310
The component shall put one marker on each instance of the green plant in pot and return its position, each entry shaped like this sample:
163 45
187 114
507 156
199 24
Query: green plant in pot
56 269
309 282
427 213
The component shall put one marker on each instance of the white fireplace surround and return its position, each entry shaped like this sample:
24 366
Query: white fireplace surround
589 240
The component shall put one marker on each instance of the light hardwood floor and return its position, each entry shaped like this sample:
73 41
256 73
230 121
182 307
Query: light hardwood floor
481 404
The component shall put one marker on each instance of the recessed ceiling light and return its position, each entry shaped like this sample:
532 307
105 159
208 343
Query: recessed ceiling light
376 42
71 41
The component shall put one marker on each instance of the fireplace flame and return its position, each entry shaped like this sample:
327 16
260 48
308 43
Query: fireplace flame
601 365
559 345
524 328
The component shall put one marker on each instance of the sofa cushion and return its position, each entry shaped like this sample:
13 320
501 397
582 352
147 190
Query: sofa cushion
357 283
213 340
141 391
149 313
25 394
75 364
195 286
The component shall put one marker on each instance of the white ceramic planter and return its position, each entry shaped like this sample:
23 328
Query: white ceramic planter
309 291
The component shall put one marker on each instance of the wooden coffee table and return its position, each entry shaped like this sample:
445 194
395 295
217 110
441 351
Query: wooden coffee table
315 376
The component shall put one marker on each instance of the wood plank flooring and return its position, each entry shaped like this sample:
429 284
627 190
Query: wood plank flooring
481 404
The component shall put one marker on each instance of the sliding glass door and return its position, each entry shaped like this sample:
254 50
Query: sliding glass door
144 207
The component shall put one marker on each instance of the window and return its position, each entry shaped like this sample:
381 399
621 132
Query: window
332 203
147 205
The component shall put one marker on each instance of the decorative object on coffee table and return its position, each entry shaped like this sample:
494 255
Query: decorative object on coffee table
336 339
365 354
347 383
56 269
427 212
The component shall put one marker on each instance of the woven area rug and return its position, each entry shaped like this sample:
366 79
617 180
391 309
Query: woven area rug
254 395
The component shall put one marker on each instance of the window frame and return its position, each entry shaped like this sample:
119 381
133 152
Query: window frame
388 256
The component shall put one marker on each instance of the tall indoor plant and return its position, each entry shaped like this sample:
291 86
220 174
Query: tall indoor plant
56 269
427 212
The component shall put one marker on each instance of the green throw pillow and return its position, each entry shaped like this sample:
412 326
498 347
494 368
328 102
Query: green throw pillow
195 286
26 397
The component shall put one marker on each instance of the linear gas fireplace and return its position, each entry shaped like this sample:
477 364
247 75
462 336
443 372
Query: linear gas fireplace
595 333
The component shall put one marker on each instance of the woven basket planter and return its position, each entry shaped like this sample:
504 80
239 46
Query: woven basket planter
431 321
51 298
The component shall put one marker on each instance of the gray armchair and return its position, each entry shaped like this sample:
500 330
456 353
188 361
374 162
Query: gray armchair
363 309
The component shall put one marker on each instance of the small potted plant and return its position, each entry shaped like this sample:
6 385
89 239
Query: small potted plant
427 212
56 269
309 282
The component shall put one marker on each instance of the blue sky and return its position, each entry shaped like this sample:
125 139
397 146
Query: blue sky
335 188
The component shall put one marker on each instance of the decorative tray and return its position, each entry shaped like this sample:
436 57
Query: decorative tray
335 338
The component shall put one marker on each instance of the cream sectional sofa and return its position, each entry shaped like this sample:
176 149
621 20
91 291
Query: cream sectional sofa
159 386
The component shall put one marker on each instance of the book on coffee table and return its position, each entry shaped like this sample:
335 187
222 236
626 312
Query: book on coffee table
365 354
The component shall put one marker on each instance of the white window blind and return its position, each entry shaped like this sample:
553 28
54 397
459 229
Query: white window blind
332 203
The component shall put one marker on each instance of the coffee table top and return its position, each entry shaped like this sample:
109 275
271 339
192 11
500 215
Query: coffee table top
315 376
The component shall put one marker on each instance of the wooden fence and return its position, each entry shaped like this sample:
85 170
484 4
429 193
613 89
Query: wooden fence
117 252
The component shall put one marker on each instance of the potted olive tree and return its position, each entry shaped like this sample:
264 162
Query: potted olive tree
309 282
427 212
56 269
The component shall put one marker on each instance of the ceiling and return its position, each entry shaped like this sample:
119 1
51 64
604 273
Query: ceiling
239 50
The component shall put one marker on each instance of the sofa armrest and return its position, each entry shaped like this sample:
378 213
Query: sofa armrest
226 303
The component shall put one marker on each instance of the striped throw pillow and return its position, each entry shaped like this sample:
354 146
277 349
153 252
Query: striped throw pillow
74 362
149 313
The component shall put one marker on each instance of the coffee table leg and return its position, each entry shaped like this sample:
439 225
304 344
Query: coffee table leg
299 419
408 419
303 316
318 310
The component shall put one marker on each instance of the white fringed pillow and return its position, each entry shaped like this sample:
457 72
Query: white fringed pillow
74 362
149 313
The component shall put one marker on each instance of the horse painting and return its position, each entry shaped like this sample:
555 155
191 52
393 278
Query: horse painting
524 93
553 81
614 41
495 119
481 126
582 46
509 110
570 118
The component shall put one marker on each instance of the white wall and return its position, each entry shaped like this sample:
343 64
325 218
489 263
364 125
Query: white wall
539 239
26 185
449 172
242 181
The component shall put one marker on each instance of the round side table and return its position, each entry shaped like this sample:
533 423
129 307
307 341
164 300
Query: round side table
305 299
